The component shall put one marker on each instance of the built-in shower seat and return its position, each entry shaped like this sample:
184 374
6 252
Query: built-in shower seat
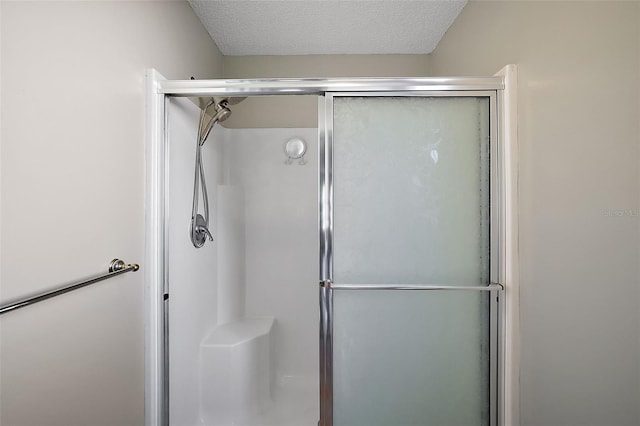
237 373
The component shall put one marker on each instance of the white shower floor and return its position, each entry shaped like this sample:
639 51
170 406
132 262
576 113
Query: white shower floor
295 402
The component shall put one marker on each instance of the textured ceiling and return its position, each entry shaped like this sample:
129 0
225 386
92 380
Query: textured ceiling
305 27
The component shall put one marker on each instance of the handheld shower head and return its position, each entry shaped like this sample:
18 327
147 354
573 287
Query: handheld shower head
200 223
222 113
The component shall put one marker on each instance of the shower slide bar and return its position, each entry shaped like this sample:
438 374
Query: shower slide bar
116 267
329 284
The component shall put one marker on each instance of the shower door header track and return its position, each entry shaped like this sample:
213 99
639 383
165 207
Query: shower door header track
318 86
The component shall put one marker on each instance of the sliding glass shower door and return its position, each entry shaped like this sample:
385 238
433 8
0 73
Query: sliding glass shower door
409 328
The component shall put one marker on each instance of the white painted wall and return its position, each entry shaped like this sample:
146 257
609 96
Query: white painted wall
579 103
72 193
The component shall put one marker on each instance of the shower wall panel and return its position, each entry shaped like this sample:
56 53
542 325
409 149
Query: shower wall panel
231 253
192 272
281 241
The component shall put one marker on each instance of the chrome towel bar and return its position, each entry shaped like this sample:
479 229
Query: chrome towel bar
116 267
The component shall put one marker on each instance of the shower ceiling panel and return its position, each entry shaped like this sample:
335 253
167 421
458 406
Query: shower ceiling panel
308 27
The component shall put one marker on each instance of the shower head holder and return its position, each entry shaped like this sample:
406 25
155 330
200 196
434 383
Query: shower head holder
294 149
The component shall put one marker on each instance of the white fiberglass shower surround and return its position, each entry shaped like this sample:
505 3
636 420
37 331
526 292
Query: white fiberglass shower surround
370 282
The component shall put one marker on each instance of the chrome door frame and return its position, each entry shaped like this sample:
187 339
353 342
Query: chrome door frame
326 214
157 285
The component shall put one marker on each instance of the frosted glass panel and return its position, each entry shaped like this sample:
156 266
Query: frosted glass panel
411 190
411 206
410 358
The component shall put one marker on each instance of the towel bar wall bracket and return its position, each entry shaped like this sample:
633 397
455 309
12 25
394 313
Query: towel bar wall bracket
116 267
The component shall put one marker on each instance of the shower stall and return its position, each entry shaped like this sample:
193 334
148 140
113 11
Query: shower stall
349 274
